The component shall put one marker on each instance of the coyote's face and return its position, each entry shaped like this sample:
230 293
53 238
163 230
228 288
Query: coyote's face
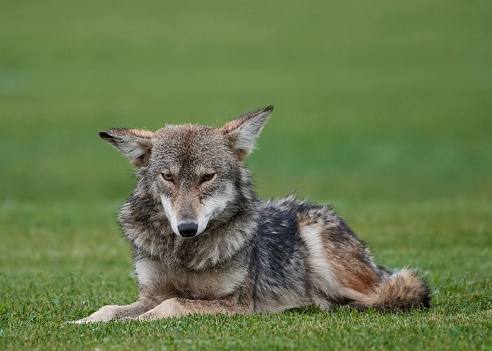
192 170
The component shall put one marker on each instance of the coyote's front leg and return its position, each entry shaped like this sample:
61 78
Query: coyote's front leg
177 307
114 312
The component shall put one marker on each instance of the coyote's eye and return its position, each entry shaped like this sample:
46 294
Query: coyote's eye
167 177
208 177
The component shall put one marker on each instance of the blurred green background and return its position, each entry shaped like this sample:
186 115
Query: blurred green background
382 108
373 100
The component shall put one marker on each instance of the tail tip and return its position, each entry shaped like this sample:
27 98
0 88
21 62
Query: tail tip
403 291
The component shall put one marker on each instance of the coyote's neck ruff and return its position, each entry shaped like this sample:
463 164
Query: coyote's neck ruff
204 243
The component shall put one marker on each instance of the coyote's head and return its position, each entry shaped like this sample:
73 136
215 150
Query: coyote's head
192 170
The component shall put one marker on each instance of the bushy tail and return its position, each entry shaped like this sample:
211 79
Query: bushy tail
401 291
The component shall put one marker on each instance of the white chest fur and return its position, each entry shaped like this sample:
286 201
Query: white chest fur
208 284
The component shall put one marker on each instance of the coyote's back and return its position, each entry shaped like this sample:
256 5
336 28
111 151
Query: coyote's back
203 242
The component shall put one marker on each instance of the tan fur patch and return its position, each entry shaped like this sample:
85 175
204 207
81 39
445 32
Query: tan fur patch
341 258
141 133
355 276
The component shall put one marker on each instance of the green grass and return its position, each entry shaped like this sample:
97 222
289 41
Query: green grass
382 109
66 261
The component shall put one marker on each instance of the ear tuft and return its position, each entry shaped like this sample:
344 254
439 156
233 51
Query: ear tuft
243 132
133 143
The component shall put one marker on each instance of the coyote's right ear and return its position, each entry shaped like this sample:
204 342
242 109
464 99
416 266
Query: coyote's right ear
135 144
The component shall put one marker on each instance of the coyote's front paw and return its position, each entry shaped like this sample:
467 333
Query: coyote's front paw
168 308
151 316
104 314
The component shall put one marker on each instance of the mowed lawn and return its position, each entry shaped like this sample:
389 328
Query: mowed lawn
381 109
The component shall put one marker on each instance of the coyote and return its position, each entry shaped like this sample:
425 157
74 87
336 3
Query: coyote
204 243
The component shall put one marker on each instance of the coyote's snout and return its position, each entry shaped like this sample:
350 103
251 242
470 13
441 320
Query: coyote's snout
203 242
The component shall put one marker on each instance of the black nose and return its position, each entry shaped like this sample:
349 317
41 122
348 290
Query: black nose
187 229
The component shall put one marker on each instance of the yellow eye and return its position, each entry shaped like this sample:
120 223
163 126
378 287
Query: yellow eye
207 177
167 177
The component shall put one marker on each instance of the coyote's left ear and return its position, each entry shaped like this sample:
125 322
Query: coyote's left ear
135 144
243 132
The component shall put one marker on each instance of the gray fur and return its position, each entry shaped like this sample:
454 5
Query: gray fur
247 255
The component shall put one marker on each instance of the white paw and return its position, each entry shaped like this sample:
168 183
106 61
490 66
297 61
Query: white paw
148 317
104 314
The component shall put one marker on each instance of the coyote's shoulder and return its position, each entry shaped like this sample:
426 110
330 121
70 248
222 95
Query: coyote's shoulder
203 242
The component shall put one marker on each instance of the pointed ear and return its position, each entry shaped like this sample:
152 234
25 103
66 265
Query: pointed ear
243 132
133 143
